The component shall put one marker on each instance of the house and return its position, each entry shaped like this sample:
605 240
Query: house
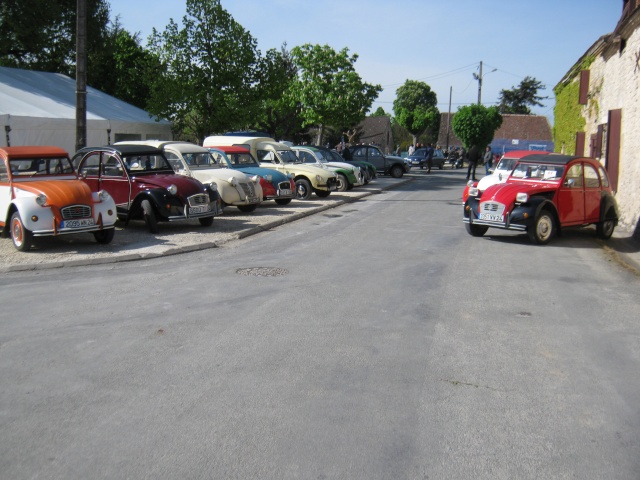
517 132
39 108
376 130
597 111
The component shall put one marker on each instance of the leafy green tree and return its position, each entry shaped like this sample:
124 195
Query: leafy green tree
328 88
518 99
476 124
41 34
415 110
210 69
380 113
277 115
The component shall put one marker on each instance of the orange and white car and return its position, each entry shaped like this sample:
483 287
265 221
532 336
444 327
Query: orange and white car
40 195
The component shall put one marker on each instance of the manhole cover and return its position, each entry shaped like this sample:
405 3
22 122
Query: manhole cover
262 271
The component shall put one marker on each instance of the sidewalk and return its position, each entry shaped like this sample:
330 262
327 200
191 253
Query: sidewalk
134 242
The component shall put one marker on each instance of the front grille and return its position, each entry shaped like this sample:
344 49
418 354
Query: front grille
332 182
249 189
75 211
198 199
284 186
492 207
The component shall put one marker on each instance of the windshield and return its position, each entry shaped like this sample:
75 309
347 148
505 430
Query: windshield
30 167
326 156
288 156
506 164
243 159
198 160
146 163
336 157
538 171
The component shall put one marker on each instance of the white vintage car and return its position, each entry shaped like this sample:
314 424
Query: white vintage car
234 187
40 195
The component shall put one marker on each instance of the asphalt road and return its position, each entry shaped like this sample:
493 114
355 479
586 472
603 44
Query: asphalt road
372 340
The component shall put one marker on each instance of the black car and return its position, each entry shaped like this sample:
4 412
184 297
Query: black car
419 158
385 164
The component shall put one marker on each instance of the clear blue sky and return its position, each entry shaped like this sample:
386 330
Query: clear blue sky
435 41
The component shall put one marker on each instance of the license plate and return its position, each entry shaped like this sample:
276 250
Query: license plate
253 199
85 222
199 209
492 217
286 192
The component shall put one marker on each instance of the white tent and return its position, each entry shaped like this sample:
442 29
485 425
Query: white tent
39 108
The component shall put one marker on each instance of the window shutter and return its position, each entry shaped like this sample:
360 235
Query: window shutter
584 87
580 137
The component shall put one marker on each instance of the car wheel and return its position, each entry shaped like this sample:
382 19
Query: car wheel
543 229
206 221
605 228
397 171
303 189
441 166
149 216
323 193
104 236
283 201
21 236
248 208
343 183
476 230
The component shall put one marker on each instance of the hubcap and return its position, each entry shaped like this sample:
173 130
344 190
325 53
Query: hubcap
544 228
16 230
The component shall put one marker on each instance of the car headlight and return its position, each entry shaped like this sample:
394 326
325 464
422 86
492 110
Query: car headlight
319 179
473 191
41 199
232 181
103 195
172 189
213 186
290 176
522 197
470 183
269 178
255 179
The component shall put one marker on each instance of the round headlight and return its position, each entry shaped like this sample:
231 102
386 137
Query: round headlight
172 189
268 178
255 179
290 176
318 179
103 195
522 197
213 186
232 181
41 199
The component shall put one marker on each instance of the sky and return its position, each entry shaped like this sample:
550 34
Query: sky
439 42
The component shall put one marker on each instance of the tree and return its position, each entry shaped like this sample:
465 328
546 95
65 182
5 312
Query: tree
415 109
476 124
380 113
328 88
517 100
211 70
41 34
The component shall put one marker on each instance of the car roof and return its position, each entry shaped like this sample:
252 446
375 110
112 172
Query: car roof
231 149
28 151
553 158
126 149
523 153
310 147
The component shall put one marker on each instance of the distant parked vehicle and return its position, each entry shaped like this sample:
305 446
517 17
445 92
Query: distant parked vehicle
40 195
349 175
385 164
419 158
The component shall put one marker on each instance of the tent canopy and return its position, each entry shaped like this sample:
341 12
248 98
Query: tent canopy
39 108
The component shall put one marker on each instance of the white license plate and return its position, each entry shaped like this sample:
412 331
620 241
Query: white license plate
492 217
85 222
286 192
199 209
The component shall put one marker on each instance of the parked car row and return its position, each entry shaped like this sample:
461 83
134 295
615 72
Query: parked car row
44 192
541 194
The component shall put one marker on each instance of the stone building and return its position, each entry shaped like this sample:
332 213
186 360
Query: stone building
603 87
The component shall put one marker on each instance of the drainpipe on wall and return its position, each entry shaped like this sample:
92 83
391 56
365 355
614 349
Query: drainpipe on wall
7 129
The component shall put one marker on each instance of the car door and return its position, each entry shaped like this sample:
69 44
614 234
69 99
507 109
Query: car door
571 207
5 191
103 170
592 194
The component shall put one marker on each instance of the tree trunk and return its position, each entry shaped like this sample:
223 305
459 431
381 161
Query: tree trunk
320 135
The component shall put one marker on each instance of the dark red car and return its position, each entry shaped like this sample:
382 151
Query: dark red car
543 194
143 185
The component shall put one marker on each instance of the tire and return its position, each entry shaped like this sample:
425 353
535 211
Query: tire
396 171
206 221
283 201
543 228
604 229
323 193
343 183
441 166
104 236
149 216
303 189
247 208
21 236
475 230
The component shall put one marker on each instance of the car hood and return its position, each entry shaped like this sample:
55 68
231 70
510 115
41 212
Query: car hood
59 192
506 192
263 172
187 186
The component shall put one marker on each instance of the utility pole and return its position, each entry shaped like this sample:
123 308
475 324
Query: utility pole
81 74
449 116
478 76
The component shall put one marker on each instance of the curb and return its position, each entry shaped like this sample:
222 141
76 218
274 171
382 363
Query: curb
128 257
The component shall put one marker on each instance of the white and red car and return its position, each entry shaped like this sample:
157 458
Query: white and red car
40 195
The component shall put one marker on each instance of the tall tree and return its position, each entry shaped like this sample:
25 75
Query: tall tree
41 34
415 109
211 69
328 88
518 99
476 124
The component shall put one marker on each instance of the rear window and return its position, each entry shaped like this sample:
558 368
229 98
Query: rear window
31 167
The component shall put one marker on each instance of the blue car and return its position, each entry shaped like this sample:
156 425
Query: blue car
275 185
